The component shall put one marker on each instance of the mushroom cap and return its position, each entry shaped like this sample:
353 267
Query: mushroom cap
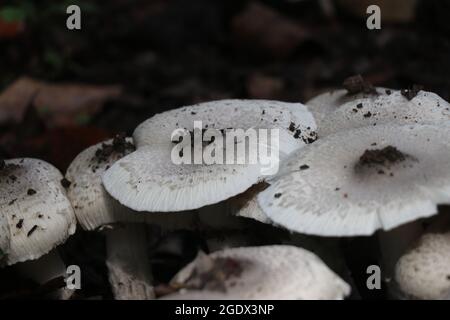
39 213
148 180
324 104
425 107
93 206
424 271
266 272
5 237
331 188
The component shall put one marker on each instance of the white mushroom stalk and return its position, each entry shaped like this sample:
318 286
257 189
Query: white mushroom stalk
424 271
39 217
358 181
128 263
267 272
389 106
150 180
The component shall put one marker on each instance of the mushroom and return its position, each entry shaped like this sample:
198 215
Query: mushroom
148 179
266 272
324 104
129 271
355 182
424 271
39 215
358 181
396 107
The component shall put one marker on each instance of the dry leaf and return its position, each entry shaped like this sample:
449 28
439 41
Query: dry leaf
60 104
259 27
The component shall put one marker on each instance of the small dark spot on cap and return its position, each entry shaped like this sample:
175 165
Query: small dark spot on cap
359 105
33 229
30 192
277 195
368 114
19 224
304 167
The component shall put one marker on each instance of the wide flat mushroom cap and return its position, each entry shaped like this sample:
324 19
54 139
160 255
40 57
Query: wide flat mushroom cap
5 237
361 180
425 107
148 179
324 104
223 114
39 213
267 272
424 271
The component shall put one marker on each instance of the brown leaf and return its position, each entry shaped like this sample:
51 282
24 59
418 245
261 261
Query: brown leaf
60 103
259 27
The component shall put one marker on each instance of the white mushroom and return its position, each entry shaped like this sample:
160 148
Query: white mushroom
358 181
424 271
39 215
148 179
268 272
395 107
324 104
129 270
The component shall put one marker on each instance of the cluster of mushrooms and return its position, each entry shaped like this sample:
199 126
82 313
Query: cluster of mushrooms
353 162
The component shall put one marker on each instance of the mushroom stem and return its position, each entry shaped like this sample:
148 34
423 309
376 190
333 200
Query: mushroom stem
44 269
128 264
393 244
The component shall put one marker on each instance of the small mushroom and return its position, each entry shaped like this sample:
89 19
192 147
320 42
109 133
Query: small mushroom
424 271
362 180
267 272
39 215
148 180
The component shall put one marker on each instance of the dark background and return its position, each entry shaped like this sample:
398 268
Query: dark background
164 54
62 91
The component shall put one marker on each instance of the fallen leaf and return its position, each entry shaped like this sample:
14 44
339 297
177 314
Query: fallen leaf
259 27
59 104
